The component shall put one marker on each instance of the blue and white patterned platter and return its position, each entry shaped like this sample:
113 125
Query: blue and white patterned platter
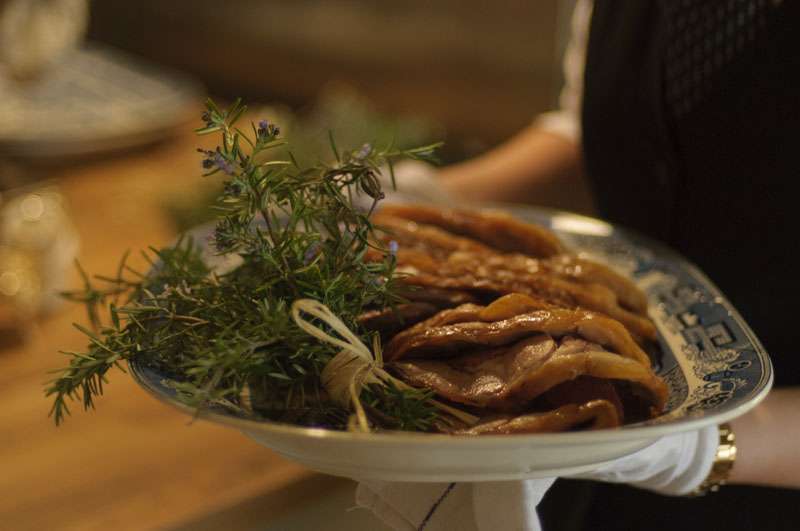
715 368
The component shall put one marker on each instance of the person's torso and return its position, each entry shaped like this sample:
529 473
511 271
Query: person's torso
691 133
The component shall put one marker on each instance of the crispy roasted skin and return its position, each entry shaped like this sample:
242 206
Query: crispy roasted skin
509 378
598 414
495 229
429 340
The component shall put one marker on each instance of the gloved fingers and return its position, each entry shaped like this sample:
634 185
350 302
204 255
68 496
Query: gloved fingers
673 465
414 179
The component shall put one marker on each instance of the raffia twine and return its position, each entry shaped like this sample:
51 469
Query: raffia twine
354 366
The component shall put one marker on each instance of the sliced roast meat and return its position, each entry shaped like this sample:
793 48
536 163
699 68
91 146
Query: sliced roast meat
441 298
421 237
389 321
565 266
495 229
509 378
549 288
588 271
460 314
430 249
506 267
585 388
594 415
503 308
451 339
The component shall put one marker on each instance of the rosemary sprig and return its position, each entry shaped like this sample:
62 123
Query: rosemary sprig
227 339
400 409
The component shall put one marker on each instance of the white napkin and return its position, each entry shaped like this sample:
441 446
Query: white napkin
674 465
506 505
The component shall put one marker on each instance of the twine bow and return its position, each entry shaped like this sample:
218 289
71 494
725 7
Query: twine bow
354 366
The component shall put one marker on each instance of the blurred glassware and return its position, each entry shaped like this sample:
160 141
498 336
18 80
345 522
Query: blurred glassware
94 100
38 244
34 34
59 98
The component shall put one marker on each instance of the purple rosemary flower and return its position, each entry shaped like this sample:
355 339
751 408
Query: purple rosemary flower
266 129
393 247
214 159
222 164
364 152
311 253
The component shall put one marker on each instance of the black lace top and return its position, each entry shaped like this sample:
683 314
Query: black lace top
691 133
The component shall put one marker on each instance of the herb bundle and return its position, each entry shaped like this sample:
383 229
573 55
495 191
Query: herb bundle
227 339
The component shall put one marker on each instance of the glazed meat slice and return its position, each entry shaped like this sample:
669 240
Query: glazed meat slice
551 280
585 388
389 321
495 229
425 247
460 314
564 266
430 239
594 415
515 266
450 339
549 288
505 307
509 378
587 271
441 298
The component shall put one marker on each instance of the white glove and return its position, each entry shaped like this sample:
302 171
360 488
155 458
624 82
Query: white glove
414 180
674 465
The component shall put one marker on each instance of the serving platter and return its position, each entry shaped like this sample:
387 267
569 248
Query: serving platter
714 366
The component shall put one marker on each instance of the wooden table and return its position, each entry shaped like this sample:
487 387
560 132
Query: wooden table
134 463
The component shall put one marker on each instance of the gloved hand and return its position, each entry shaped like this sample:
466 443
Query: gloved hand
673 465
414 180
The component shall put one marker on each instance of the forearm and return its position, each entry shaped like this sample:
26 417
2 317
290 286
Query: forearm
768 440
535 166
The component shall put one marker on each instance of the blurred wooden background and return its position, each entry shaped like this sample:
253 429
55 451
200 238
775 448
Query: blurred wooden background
482 69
